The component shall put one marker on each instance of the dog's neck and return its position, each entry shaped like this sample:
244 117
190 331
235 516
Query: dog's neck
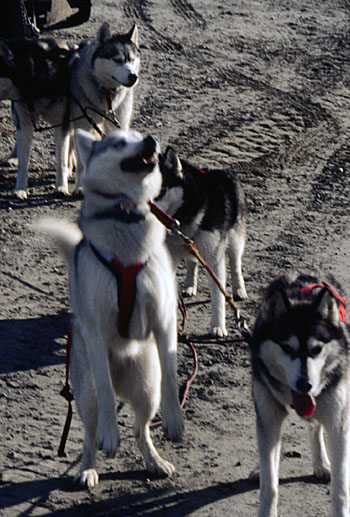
123 208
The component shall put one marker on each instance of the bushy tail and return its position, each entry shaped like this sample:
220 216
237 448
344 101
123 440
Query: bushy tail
64 234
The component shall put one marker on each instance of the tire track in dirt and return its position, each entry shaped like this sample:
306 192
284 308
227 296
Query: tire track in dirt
158 41
186 10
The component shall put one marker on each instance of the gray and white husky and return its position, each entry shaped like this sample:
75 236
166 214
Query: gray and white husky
210 206
300 360
124 336
100 75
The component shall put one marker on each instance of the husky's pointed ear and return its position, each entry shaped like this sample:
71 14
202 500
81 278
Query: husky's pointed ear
325 304
172 162
103 34
133 35
275 305
85 142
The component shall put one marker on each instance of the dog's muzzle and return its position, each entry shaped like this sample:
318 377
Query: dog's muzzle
146 160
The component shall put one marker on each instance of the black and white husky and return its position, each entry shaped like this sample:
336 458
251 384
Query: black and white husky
300 360
123 298
99 77
210 206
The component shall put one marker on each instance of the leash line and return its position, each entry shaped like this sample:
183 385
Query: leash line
173 226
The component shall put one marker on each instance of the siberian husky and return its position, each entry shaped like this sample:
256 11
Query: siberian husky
210 206
300 360
123 298
99 77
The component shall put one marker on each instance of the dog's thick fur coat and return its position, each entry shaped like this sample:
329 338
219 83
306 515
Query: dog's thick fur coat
121 176
46 81
210 206
300 358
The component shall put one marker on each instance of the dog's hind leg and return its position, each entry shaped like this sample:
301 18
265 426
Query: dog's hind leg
24 137
320 459
144 396
107 429
62 139
85 397
235 246
269 417
165 333
212 248
191 280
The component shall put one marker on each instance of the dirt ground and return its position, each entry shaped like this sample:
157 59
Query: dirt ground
264 87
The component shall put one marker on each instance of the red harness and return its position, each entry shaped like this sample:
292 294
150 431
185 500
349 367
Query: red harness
126 285
342 302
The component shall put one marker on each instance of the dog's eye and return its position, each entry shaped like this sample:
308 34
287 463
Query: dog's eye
315 351
287 349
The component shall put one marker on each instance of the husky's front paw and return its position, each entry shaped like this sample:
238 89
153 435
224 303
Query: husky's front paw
88 478
21 194
218 331
189 291
62 190
108 439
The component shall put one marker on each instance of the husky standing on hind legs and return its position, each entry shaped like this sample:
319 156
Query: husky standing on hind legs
123 298
300 359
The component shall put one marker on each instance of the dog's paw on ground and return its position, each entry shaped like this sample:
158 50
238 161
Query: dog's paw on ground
20 194
160 467
218 331
62 191
189 291
88 478
323 472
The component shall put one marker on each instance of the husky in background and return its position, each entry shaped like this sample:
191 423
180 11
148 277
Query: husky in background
300 360
47 83
210 206
130 353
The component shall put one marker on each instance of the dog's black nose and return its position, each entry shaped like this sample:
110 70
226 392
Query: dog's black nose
150 144
303 385
132 79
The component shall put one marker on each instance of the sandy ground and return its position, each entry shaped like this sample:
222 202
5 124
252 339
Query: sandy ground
263 87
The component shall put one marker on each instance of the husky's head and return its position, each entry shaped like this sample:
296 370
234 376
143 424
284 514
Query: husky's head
116 60
298 344
171 196
124 162
8 89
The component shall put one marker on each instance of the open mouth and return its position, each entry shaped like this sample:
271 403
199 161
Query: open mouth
303 403
145 161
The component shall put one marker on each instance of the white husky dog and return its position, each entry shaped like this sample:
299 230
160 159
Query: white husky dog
123 298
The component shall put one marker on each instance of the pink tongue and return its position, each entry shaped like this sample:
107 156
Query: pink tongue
303 403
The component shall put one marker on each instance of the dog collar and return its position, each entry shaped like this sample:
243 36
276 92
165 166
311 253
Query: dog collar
342 302
121 211
126 285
